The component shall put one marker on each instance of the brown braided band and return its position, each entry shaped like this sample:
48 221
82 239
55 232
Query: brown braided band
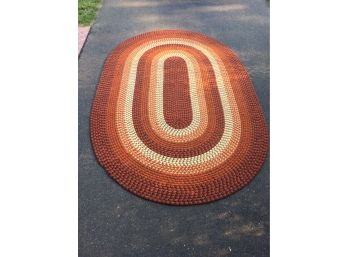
176 119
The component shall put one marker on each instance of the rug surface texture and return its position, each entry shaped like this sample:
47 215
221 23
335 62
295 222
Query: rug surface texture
176 119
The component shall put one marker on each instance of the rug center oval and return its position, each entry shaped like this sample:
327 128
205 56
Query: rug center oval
177 103
176 119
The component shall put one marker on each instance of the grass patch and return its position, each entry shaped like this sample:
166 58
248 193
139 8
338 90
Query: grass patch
88 11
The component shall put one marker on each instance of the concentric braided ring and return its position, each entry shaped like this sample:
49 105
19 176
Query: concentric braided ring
176 119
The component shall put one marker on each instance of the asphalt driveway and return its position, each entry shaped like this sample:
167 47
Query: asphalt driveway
114 222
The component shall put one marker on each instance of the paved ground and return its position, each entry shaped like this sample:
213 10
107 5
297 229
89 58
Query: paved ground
115 223
83 32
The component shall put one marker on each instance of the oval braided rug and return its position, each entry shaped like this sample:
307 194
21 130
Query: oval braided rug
176 119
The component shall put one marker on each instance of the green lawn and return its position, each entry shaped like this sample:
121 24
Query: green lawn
88 11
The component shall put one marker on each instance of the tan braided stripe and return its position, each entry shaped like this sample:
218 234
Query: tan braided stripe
196 93
176 119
